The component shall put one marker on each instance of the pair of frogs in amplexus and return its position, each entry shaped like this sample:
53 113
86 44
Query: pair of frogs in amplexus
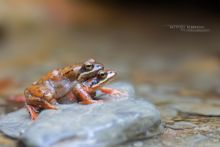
80 81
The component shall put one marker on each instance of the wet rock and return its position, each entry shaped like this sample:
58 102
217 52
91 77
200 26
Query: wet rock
74 125
167 112
15 123
196 140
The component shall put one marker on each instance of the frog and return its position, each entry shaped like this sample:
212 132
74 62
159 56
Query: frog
44 93
86 91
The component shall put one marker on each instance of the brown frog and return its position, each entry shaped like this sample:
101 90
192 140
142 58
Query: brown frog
86 91
43 94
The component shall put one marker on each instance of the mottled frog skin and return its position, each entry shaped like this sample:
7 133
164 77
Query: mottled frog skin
43 94
86 91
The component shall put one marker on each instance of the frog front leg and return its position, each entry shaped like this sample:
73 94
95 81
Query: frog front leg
83 95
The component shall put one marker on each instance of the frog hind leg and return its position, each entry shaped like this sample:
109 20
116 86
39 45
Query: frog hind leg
40 103
71 97
35 104
32 111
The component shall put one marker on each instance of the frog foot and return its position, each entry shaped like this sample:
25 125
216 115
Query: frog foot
114 92
32 111
119 93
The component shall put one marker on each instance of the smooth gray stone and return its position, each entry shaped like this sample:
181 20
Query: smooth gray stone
76 125
15 123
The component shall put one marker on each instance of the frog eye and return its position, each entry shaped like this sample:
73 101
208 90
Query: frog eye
102 74
88 66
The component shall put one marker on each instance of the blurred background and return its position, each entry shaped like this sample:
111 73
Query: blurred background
155 42
169 50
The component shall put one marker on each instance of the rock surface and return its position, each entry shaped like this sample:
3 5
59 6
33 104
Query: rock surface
74 125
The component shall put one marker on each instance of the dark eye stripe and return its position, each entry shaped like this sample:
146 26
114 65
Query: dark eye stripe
67 72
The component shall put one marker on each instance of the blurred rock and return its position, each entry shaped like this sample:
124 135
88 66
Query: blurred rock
182 125
107 124
7 142
200 108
